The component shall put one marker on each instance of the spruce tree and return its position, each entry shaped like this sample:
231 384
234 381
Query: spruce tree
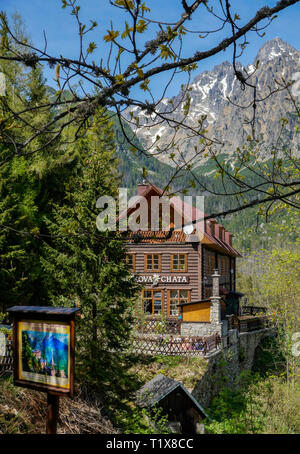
17 196
87 266
29 184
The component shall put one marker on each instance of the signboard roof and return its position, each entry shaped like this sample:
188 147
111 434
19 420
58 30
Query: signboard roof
47 310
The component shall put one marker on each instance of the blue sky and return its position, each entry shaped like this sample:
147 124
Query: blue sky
61 29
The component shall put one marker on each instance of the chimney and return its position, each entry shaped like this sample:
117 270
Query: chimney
218 231
211 225
142 187
215 305
221 232
229 238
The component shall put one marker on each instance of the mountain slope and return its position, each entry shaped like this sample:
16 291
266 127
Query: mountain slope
210 92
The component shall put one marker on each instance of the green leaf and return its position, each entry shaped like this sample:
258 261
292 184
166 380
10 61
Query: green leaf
111 35
141 26
91 48
166 53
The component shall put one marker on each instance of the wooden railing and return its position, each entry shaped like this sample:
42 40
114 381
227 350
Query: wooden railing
252 324
6 362
248 322
174 346
154 325
252 310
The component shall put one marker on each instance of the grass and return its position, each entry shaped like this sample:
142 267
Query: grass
186 370
24 411
18 413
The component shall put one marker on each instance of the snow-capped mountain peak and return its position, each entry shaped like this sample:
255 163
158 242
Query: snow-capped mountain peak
216 93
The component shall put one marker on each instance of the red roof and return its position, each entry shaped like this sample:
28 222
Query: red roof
210 237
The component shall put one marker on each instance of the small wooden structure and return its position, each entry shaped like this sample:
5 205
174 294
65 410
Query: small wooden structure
198 311
252 318
174 399
44 353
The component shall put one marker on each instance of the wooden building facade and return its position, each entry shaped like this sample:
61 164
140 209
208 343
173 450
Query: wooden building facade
175 268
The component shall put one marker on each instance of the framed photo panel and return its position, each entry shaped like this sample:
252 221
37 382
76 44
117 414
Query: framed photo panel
44 351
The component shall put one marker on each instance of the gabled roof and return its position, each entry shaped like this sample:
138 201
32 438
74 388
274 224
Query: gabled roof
160 387
208 237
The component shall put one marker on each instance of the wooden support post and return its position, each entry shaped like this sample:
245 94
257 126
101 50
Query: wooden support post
52 413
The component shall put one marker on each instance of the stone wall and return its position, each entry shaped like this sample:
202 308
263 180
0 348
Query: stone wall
203 329
248 342
225 365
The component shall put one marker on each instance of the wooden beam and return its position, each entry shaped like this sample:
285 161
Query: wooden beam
52 413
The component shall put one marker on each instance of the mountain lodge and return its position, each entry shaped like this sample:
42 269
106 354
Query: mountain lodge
176 268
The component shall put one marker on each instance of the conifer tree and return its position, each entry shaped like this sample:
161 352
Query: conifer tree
87 266
17 198
28 184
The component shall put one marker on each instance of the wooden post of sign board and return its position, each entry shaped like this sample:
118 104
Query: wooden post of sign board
52 413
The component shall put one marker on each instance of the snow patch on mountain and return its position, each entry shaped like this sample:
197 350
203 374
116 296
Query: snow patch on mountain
209 93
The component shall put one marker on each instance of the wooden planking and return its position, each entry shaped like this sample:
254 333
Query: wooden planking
194 271
196 312
223 263
166 257
193 257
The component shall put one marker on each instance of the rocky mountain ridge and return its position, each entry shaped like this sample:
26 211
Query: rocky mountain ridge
218 95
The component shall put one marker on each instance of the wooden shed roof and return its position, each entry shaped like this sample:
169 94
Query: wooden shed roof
160 387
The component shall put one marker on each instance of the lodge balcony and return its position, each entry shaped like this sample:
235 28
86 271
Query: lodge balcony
155 335
158 325
249 318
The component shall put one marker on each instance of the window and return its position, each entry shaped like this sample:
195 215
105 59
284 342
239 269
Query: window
209 265
176 297
224 271
209 262
130 260
179 262
152 302
152 262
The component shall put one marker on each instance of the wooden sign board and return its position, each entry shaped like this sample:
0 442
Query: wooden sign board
43 344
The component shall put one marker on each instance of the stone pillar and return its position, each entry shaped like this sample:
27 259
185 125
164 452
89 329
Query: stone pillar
215 306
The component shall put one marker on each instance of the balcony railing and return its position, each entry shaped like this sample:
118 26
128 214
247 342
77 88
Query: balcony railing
155 325
175 346
246 323
254 323
252 310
